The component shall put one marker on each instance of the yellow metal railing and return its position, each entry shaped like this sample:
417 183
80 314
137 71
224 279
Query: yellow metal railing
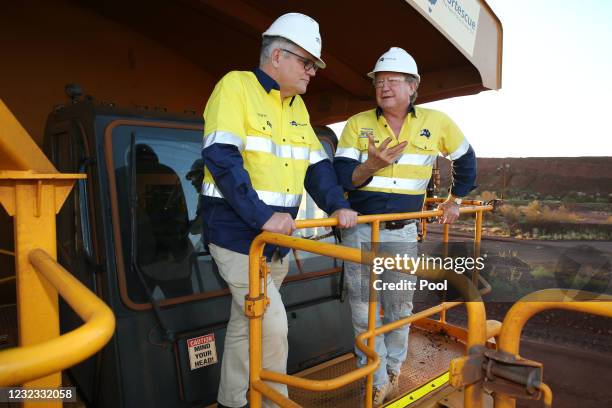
256 303
32 191
22 364
536 302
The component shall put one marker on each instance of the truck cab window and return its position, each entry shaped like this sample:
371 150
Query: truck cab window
169 251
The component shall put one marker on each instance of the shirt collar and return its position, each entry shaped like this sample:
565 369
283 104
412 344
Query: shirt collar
411 109
266 80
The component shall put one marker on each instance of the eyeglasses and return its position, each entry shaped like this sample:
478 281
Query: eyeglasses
308 64
379 83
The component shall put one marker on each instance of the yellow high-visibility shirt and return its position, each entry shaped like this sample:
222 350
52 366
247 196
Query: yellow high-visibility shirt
274 137
428 133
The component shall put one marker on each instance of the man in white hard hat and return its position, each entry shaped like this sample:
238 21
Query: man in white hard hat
259 152
384 160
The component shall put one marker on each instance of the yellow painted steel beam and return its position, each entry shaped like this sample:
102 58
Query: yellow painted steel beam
32 203
27 362
32 191
536 302
17 149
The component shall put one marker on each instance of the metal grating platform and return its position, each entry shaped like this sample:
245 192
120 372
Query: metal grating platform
429 356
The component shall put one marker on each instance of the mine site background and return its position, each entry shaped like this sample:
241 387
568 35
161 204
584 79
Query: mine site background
547 198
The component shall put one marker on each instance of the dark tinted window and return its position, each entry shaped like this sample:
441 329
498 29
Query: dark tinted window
169 251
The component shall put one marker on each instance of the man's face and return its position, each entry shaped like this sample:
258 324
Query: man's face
295 68
393 91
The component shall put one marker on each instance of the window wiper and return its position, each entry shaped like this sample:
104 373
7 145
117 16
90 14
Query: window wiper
168 335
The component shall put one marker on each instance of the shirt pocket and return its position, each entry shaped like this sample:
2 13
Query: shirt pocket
260 148
259 126
362 144
299 143
424 144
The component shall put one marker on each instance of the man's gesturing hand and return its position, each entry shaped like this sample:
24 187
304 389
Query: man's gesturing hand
281 223
346 218
378 158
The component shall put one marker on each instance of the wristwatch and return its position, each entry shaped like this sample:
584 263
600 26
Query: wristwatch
456 200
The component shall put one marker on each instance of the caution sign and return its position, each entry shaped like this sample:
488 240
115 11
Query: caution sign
202 351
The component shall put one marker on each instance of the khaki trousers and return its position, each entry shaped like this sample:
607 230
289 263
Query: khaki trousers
234 269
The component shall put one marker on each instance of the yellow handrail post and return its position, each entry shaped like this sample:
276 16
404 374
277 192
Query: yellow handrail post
477 241
372 310
255 306
33 199
547 395
478 229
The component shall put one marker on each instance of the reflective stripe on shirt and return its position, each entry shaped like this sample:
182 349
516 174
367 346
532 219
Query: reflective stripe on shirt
268 197
398 183
408 158
460 151
223 137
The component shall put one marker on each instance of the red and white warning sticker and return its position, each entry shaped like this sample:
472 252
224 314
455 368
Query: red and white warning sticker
202 351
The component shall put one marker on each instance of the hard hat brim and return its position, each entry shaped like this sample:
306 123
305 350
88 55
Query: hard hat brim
373 74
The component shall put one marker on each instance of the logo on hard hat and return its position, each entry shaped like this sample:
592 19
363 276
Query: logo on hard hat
432 4
425 132
318 40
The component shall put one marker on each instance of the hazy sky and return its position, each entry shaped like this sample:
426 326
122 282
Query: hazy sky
556 82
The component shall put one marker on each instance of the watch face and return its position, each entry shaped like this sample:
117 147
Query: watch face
458 200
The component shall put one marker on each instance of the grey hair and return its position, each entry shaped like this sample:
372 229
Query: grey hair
413 79
271 42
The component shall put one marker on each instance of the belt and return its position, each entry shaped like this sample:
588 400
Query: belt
395 225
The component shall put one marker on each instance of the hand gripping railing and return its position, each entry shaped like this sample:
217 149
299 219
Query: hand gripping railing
25 363
256 303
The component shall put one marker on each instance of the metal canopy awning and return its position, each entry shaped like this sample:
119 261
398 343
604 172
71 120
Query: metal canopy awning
220 35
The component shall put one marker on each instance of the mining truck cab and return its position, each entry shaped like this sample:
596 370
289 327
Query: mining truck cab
131 232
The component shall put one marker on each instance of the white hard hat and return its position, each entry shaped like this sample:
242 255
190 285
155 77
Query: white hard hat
396 60
302 30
